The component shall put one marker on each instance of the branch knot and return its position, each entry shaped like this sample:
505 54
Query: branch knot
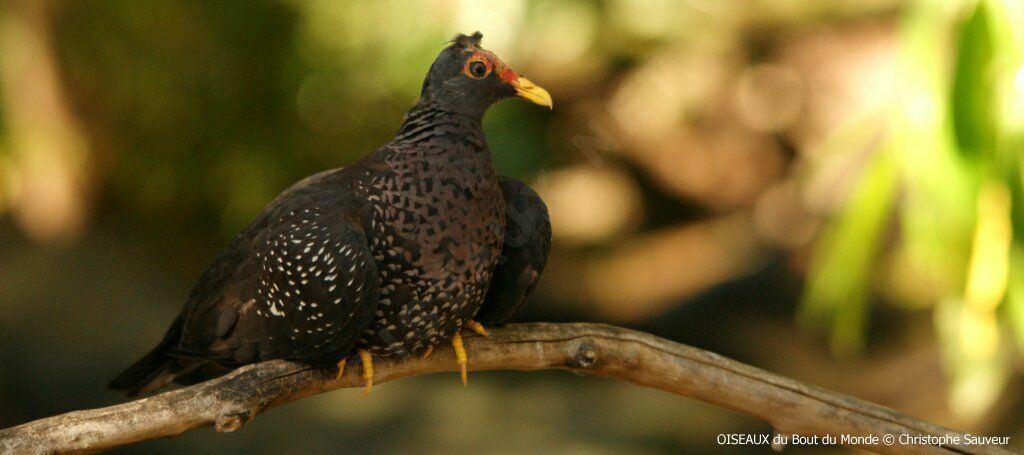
585 357
227 423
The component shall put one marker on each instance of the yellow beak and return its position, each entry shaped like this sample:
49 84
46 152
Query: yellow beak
526 90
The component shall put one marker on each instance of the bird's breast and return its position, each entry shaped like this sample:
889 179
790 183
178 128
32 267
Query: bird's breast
442 218
436 236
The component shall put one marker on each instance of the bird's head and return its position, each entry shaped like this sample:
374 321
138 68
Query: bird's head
468 79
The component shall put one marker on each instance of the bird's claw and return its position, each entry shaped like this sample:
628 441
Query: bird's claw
367 359
460 350
341 369
460 356
477 328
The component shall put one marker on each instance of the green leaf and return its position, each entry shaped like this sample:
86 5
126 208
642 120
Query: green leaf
972 93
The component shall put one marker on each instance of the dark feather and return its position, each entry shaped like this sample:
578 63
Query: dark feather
468 41
523 254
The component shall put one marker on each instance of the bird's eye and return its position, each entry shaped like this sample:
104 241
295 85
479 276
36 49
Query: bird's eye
477 69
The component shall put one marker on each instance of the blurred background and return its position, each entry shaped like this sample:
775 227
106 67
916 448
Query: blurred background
827 190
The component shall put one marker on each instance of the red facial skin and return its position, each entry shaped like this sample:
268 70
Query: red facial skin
493 63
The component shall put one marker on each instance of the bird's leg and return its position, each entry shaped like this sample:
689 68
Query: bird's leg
341 369
477 328
429 350
460 356
460 350
367 360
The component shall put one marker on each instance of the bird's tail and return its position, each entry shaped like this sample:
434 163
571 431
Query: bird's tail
153 371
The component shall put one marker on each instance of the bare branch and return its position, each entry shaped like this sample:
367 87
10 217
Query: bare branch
232 400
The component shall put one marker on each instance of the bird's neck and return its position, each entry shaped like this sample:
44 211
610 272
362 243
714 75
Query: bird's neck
429 120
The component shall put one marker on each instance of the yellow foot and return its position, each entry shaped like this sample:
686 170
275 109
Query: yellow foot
341 369
477 328
427 353
367 360
460 356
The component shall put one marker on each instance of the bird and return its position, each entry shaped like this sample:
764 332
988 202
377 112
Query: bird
524 253
390 256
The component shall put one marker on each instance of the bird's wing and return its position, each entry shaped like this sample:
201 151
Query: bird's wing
523 254
299 283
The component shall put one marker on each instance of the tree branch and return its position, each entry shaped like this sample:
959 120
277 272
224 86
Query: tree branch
230 401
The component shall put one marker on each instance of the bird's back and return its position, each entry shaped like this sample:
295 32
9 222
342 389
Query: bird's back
299 283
